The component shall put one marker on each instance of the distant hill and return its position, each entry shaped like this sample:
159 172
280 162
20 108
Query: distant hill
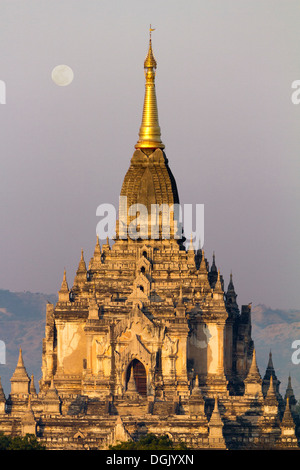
276 330
22 324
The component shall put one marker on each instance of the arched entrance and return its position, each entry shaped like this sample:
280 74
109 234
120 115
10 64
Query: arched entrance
139 375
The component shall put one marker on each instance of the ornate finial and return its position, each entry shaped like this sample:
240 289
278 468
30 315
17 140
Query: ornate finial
149 134
32 389
150 31
150 61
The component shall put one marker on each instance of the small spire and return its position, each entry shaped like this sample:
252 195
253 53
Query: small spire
51 392
270 362
253 374
81 273
20 363
64 293
287 418
230 285
20 370
32 389
271 393
196 388
254 362
213 266
230 300
96 259
218 286
82 265
216 438
289 393
20 380
213 273
64 284
203 267
51 400
97 247
106 246
2 395
149 134
270 398
131 385
216 419
270 372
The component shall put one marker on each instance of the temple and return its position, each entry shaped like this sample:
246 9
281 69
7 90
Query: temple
148 339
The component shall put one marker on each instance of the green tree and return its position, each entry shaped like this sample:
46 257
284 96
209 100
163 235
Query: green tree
150 442
4 441
28 442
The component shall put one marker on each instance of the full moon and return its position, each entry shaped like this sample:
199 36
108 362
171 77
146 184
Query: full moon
62 75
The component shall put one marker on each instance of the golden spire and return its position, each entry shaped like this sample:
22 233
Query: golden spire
149 135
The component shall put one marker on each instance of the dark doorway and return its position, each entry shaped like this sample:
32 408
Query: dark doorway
139 375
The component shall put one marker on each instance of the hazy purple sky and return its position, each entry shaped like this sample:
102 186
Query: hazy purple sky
231 131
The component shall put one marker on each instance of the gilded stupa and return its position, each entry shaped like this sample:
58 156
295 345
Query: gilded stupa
147 339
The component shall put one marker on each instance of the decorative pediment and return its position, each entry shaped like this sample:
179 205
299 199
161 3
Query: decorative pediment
141 283
139 324
145 252
140 289
143 263
79 435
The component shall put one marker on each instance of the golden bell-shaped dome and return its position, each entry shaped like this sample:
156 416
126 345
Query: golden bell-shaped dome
149 181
